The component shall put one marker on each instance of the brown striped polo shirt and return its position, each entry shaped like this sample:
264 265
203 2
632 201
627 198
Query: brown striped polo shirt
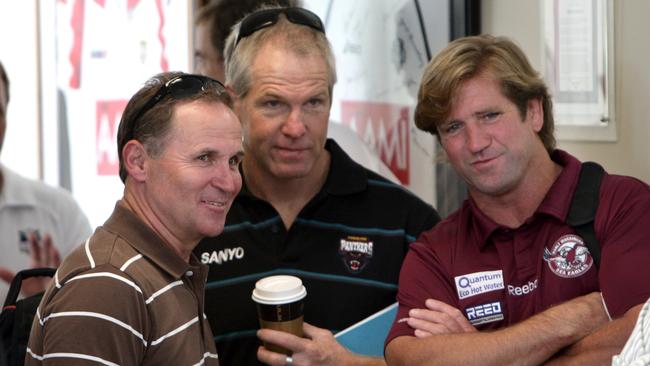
123 298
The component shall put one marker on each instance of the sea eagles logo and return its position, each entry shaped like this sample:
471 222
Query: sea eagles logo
356 252
569 257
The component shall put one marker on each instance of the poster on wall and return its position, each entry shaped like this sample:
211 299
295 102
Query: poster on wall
381 49
579 67
95 55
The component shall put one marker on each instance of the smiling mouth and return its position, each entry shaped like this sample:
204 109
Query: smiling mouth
480 162
215 203
483 161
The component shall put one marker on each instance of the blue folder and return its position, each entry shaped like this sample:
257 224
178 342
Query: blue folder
367 336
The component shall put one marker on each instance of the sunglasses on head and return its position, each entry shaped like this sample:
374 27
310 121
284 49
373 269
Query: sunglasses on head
265 18
179 87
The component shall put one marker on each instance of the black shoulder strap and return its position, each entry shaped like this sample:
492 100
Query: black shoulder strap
14 288
583 207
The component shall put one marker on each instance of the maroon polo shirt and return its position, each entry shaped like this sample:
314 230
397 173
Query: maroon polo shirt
499 276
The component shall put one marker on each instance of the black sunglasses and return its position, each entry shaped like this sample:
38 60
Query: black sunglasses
180 87
268 17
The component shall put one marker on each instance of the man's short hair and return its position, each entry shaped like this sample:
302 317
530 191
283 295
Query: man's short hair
222 15
152 126
5 80
299 39
469 57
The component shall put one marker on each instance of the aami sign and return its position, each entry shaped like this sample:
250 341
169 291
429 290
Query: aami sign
385 128
108 115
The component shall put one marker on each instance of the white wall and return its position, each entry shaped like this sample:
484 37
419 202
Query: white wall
630 153
18 53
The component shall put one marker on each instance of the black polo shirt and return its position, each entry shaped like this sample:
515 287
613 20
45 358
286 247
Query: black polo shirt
347 245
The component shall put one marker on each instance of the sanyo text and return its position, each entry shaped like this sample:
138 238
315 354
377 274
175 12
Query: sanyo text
222 256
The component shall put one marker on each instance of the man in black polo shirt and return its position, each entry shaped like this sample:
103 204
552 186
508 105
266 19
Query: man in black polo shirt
306 208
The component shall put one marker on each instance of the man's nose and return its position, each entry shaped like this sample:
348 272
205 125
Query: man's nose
227 178
294 126
476 138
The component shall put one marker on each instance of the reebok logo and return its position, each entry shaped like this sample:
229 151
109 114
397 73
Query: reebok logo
522 290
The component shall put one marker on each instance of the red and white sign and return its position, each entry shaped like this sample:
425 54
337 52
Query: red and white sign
109 113
385 128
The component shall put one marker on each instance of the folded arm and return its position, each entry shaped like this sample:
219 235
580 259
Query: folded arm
598 347
530 342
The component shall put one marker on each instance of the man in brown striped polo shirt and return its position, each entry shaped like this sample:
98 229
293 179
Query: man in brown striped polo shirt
133 294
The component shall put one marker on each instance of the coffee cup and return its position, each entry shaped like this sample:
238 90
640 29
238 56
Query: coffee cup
280 306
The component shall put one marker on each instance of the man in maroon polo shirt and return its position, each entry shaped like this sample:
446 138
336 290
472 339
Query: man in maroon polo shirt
505 280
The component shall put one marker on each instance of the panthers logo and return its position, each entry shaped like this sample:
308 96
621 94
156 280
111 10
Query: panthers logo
356 252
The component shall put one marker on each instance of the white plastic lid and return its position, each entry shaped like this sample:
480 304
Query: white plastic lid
276 290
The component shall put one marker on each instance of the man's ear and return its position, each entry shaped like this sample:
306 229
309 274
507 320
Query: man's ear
535 113
135 157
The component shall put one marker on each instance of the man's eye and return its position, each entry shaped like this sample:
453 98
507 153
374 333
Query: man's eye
271 103
490 116
234 161
451 128
204 157
314 102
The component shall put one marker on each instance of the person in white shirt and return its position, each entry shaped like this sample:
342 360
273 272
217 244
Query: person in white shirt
38 223
636 351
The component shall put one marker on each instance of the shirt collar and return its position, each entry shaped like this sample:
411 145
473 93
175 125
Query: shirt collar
15 190
345 175
558 199
143 239
556 203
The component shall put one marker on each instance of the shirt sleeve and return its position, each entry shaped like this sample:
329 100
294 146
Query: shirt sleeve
623 230
422 277
93 318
